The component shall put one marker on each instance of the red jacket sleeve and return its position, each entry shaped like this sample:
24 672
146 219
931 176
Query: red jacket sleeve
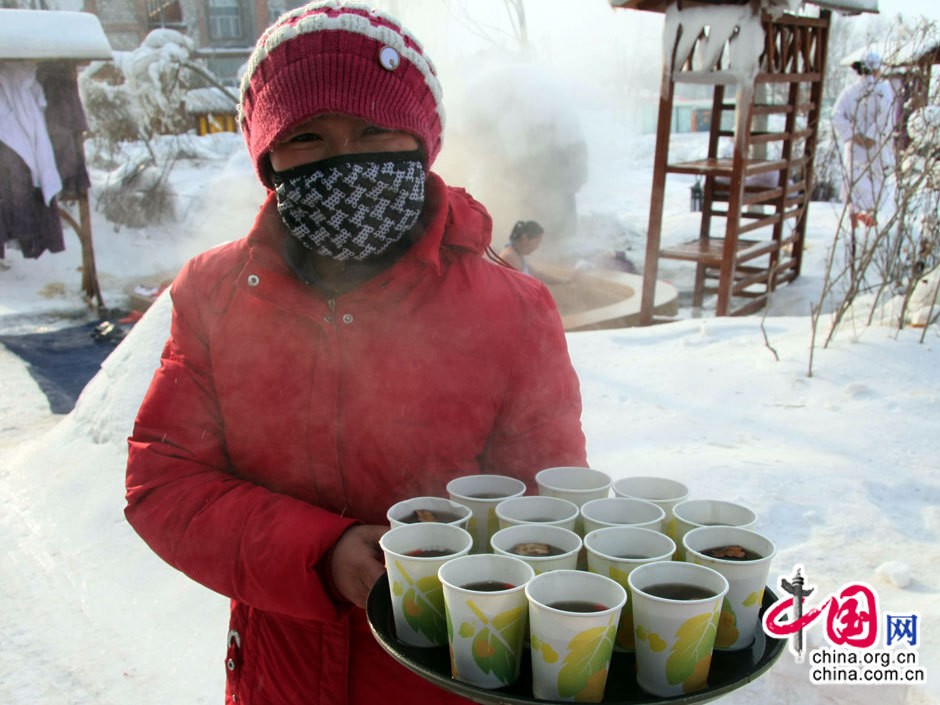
187 502
539 424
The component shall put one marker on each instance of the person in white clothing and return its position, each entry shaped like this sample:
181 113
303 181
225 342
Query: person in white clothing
864 119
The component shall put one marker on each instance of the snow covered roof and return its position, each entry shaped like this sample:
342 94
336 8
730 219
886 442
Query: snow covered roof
201 101
850 6
915 52
44 34
907 54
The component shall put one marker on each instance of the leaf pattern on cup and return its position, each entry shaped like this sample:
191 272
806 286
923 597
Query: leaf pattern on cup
755 598
671 529
495 647
656 642
543 649
584 672
727 626
690 657
492 521
625 638
466 630
423 606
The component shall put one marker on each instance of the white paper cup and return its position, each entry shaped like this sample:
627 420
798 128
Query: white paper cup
577 485
674 637
571 650
486 626
693 513
746 579
565 540
535 509
617 511
417 597
661 491
481 493
404 512
614 552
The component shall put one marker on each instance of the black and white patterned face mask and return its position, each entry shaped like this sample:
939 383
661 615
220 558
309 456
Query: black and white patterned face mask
352 206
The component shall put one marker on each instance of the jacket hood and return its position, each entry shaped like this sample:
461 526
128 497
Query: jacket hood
469 225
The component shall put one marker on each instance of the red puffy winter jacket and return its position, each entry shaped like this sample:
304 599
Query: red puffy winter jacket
278 418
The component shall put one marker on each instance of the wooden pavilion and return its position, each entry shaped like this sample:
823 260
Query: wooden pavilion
765 63
59 42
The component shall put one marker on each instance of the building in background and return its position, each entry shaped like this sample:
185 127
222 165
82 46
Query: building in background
225 31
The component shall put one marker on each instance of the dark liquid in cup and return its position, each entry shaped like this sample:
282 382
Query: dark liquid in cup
536 549
632 556
679 591
486 495
577 606
732 553
425 515
430 552
488 586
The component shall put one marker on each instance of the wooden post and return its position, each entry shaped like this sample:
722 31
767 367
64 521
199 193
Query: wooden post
82 227
657 197
744 99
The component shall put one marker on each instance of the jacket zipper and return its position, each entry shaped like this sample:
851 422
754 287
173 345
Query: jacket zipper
331 318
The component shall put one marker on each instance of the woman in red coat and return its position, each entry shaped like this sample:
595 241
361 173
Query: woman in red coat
354 350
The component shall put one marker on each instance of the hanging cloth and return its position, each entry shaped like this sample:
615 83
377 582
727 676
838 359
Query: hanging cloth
23 124
28 212
67 124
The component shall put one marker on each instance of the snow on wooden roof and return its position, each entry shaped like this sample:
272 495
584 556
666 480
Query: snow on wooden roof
849 6
201 101
907 54
46 34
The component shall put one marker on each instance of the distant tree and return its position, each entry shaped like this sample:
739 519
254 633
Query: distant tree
889 272
129 102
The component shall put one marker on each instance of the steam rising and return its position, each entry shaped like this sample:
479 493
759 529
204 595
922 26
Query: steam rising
519 103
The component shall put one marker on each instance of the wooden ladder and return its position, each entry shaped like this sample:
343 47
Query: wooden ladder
763 200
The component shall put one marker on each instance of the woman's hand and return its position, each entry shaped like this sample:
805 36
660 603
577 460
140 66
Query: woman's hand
357 562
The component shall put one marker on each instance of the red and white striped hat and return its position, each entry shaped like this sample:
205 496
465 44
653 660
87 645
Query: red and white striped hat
338 57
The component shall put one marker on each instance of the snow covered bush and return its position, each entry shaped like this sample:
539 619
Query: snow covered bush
137 195
157 78
142 93
136 112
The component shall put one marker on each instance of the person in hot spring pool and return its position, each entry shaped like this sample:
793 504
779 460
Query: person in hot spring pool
352 350
525 238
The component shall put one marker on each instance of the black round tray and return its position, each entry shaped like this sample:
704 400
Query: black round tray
729 669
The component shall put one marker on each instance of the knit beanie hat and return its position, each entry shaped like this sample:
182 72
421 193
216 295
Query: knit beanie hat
338 57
